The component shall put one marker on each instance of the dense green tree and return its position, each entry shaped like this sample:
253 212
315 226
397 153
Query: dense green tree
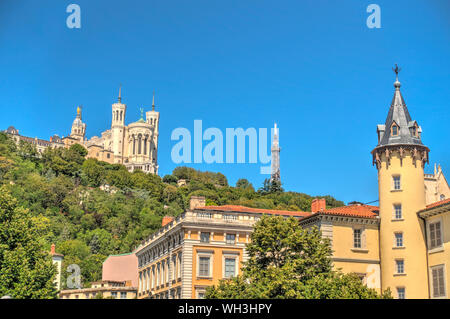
27 270
270 186
170 179
94 173
244 184
120 178
288 261
88 223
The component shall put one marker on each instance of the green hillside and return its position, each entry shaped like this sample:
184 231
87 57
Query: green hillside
87 223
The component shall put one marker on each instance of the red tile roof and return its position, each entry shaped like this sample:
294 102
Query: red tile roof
358 210
243 209
436 204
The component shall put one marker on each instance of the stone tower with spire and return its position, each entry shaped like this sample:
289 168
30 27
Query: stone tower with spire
275 151
78 130
152 118
118 129
400 157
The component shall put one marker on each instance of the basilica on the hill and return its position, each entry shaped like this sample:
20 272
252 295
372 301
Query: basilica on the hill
134 145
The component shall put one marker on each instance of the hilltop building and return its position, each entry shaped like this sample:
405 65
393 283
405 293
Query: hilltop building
134 145
40 144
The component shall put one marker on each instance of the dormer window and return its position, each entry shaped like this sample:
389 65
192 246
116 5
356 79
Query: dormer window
394 129
414 130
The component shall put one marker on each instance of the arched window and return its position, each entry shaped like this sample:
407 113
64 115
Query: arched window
139 143
145 145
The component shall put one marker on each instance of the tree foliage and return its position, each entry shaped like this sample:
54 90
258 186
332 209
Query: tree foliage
288 261
95 209
27 270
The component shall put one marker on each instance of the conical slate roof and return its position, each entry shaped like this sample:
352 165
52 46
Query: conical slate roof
408 130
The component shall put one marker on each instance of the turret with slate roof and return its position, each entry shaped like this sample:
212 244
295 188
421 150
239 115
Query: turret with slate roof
400 132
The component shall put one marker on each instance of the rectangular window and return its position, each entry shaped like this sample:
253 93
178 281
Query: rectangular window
158 275
400 266
174 267
394 130
201 294
203 267
399 240
401 293
153 278
231 239
398 211
179 266
357 238
123 295
204 237
230 267
435 235
167 270
163 270
114 294
438 281
396 182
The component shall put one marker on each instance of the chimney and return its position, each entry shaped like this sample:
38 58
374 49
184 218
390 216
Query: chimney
166 220
52 251
197 201
318 204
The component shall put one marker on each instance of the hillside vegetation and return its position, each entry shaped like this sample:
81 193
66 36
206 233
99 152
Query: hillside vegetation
96 209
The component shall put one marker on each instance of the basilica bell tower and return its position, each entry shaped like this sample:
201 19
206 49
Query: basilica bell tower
118 129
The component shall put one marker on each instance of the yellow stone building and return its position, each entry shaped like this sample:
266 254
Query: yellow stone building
403 245
196 250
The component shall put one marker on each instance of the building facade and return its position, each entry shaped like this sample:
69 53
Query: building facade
121 267
105 289
196 250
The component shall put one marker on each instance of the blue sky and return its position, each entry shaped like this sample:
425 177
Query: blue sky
314 67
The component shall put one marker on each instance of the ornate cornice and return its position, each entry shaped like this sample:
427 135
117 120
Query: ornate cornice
416 151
